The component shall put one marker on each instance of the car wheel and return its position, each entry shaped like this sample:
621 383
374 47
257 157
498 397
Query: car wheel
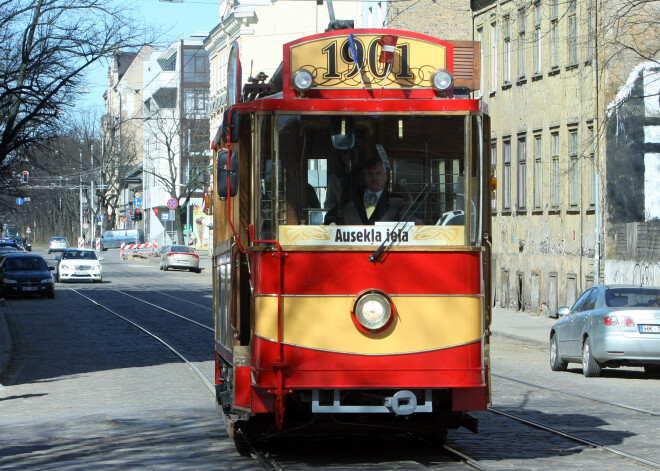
590 367
51 295
165 267
557 363
652 370
49 252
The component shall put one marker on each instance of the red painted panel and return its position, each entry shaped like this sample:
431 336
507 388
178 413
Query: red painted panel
351 272
242 391
470 399
452 367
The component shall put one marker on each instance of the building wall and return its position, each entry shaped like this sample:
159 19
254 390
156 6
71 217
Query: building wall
449 19
543 154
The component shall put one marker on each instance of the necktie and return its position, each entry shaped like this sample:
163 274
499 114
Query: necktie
370 202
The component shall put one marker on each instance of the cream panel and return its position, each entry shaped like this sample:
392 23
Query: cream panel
422 323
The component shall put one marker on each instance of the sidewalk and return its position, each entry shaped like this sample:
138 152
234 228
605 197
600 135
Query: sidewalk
521 326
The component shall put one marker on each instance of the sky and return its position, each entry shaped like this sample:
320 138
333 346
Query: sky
181 19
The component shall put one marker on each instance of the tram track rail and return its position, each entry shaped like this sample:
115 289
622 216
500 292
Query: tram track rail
576 438
266 461
581 396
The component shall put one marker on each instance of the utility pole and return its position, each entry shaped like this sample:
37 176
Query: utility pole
92 217
81 192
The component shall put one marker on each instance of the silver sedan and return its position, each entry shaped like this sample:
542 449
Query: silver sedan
609 326
179 256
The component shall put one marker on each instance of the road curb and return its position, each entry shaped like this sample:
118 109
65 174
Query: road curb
5 337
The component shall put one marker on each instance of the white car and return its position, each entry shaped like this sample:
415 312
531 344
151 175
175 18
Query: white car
79 264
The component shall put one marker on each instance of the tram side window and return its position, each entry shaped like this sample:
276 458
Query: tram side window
317 188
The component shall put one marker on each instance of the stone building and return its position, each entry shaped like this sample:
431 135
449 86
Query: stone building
570 177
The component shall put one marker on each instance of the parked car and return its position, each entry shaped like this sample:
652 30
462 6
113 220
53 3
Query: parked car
9 244
79 264
113 239
22 273
57 244
179 256
609 326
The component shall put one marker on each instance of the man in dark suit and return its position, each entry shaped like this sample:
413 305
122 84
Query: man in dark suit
370 204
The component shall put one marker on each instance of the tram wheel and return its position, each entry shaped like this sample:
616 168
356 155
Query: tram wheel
241 435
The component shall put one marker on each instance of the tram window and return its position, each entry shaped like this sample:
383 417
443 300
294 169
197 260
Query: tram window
314 176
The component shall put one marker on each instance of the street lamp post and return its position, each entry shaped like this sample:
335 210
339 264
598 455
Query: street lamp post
81 192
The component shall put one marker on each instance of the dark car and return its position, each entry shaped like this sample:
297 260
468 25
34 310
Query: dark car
24 274
609 326
10 243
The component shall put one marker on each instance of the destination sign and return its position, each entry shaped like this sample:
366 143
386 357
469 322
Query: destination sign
402 235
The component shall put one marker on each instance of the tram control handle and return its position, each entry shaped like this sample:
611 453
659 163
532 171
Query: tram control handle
405 218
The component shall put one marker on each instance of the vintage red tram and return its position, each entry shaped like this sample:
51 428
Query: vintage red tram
323 313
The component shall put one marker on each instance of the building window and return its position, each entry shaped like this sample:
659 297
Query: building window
537 39
592 167
555 170
574 171
522 172
493 168
521 44
538 172
480 36
554 34
493 60
572 33
507 50
590 29
506 177
195 65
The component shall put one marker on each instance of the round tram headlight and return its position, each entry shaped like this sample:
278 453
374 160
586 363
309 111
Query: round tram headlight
302 80
441 80
373 311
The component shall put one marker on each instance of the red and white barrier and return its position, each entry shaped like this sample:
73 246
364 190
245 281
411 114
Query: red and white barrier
137 249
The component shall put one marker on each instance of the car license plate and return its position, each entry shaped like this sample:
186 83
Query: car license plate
80 273
29 288
649 329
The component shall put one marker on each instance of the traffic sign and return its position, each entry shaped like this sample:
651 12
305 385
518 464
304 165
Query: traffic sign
137 202
19 201
164 216
172 203
85 225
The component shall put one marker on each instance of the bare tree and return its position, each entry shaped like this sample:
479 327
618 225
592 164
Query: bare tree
45 46
178 158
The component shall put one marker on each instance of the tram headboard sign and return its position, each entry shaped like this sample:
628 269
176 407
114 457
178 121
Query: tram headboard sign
402 235
389 60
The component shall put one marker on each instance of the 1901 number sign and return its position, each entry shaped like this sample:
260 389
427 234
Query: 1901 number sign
332 66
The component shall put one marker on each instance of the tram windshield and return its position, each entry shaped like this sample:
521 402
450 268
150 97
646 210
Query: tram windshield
361 170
